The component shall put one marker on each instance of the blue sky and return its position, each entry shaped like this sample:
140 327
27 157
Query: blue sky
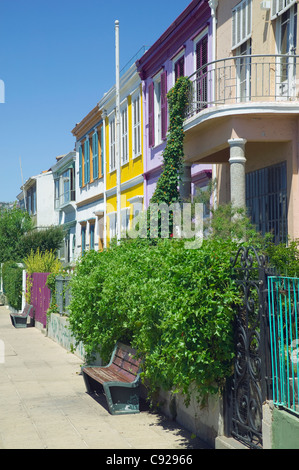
57 59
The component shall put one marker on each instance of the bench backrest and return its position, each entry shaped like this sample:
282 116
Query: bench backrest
26 310
124 361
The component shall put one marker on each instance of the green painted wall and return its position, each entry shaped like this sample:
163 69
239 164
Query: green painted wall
285 430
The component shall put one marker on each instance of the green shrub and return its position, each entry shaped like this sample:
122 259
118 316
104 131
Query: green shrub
46 240
42 262
12 284
172 304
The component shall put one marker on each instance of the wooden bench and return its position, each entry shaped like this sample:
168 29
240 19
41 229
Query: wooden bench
19 320
119 380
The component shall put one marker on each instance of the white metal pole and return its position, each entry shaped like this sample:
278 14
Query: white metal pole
213 5
117 141
23 185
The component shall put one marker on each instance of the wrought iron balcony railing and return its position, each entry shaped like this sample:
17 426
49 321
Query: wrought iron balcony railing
244 78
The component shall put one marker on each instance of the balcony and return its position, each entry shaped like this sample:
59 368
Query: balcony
245 79
65 199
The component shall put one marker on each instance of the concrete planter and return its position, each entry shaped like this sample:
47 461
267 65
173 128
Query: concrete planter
205 422
58 330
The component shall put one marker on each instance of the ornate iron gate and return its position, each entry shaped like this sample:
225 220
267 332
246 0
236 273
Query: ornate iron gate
248 388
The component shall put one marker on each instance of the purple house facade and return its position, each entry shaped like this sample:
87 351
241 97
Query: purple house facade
181 50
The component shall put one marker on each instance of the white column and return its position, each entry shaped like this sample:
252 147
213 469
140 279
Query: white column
237 162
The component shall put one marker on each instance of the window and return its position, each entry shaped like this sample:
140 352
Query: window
91 235
102 151
56 193
158 109
125 220
280 6
95 155
31 200
67 255
241 23
136 126
86 161
83 238
243 67
124 136
286 41
266 199
201 58
112 144
179 68
66 184
80 166
112 224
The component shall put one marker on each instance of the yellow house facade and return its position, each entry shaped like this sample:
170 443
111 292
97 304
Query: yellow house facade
130 151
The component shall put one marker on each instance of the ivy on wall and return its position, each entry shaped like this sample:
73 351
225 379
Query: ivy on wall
167 189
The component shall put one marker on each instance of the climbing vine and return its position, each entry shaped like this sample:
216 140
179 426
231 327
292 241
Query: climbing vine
167 189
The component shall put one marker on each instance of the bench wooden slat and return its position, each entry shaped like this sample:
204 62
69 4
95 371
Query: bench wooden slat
105 375
128 376
125 365
127 356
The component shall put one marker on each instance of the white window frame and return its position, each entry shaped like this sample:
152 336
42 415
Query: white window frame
278 7
112 224
243 69
158 108
136 124
241 23
174 61
112 143
286 88
125 219
124 134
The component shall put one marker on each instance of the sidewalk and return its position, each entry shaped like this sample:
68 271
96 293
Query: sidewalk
44 404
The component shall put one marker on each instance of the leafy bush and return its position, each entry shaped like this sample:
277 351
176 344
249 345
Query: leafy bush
12 284
46 240
172 304
14 223
42 262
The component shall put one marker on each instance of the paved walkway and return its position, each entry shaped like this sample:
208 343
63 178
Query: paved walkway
44 404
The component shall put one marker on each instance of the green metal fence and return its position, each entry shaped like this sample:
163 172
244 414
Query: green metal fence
283 297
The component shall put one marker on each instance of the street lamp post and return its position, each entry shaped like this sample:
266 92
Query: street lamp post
117 142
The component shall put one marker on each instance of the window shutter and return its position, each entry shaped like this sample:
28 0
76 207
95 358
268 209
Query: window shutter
179 68
280 6
86 161
202 54
241 23
95 156
202 79
163 105
151 118
124 136
136 127
102 151
80 166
